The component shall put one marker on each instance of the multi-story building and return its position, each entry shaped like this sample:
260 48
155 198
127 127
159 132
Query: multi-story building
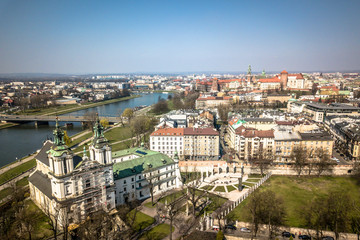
285 142
318 111
204 102
312 141
190 143
201 144
70 187
249 143
140 172
168 141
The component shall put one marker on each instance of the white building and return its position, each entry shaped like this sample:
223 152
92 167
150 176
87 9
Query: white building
69 187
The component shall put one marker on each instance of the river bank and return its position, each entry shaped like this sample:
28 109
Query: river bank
24 139
59 110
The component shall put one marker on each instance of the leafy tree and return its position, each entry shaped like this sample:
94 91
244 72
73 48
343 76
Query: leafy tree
104 122
223 111
160 107
67 139
128 114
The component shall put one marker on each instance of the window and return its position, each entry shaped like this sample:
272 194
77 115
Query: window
124 189
132 179
133 186
87 183
124 181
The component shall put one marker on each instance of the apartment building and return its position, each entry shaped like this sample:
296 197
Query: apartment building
312 141
285 142
249 143
201 144
189 143
168 141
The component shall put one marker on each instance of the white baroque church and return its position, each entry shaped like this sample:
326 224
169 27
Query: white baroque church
69 187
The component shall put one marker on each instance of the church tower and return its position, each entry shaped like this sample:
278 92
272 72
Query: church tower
284 79
99 148
248 75
60 156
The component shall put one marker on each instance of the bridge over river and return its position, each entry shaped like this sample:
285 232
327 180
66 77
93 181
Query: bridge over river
45 119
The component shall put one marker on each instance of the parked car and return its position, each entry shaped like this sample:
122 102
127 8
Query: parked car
327 238
216 228
304 237
229 226
287 234
244 229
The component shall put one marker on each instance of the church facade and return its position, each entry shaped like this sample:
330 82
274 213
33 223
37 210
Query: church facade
69 187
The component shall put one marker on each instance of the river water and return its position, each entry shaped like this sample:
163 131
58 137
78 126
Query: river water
22 140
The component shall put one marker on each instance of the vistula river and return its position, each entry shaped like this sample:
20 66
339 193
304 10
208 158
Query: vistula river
22 140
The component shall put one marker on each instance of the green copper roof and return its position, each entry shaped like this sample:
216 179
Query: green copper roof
150 161
137 151
57 152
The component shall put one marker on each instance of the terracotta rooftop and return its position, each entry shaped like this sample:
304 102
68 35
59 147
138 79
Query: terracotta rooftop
168 132
200 131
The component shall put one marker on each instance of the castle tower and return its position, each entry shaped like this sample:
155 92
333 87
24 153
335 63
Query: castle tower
99 148
284 79
60 156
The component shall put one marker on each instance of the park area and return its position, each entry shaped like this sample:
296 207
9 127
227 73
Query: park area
297 193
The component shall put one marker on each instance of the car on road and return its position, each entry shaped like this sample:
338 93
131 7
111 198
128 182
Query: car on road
327 238
244 229
287 234
305 237
231 227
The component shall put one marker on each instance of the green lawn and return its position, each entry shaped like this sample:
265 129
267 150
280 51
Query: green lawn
298 192
255 176
249 184
23 182
157 233
118 134
216 202
42 228
230 188
80 139
207 187
252 180
219 189
141 220
13 172
4 193
7 125
121 146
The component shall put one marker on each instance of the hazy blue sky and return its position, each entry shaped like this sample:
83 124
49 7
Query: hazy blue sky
176 35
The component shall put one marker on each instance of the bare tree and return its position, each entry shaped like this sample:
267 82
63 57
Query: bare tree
25 223
299 156
262 161
170 210
266 208
323 161
90 119
53 218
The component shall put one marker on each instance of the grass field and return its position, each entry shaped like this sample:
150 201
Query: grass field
141 220
298 192
157 233
13 172
207 187
219 189
118 134
230 188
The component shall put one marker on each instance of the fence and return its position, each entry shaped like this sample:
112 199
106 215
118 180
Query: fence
208 219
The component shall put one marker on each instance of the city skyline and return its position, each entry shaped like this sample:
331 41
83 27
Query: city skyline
148 37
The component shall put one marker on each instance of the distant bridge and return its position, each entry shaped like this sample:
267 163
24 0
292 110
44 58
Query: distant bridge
45 119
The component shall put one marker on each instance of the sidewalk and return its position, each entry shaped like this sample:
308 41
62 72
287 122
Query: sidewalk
15 164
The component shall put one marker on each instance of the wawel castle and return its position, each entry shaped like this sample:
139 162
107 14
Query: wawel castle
69 187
